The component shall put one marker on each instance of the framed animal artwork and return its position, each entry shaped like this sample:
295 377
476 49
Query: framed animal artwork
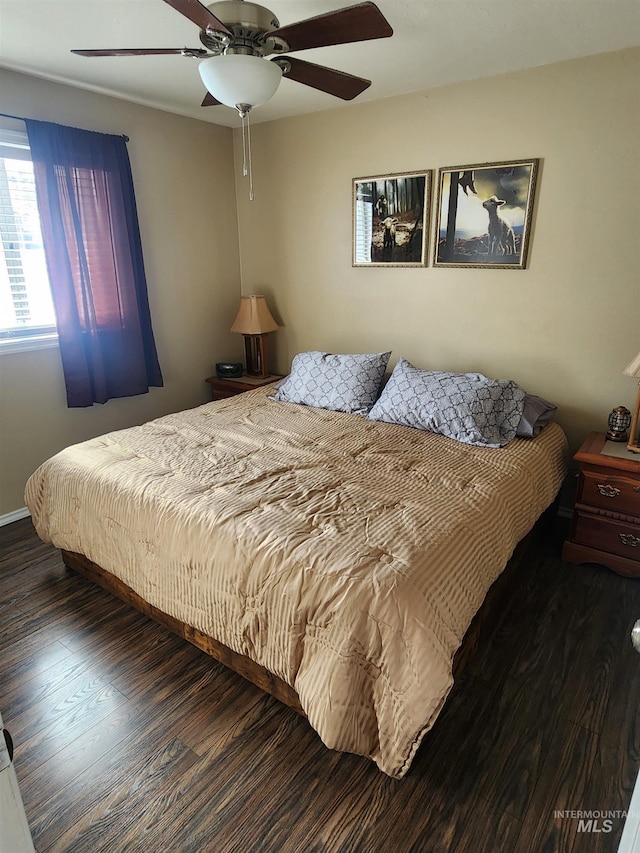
390 220
484 215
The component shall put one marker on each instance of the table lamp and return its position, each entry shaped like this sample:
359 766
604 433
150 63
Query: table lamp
633 369
254 321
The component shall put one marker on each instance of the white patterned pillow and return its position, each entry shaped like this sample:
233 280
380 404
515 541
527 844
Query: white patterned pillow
342 383
465 406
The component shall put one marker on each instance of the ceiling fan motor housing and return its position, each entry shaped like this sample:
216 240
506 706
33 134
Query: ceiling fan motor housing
249 23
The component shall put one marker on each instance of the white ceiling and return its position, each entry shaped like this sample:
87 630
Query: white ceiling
435 42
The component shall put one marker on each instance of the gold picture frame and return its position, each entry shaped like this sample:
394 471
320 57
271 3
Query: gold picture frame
390 220
484 215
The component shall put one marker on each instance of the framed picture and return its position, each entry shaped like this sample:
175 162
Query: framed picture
390 220
484 215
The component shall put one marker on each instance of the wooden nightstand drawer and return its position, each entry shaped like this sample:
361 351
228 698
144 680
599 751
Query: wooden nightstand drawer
606 517
612 492
605 534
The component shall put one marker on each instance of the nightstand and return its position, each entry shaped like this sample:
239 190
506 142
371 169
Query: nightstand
223 388
606 518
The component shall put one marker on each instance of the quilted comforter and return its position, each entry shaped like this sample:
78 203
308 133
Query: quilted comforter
346 556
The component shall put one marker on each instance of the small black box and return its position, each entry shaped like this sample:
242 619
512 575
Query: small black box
229 369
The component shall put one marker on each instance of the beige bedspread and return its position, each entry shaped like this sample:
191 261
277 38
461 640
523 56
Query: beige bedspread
347 557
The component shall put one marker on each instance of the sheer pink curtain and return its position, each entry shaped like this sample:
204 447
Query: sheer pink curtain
92 244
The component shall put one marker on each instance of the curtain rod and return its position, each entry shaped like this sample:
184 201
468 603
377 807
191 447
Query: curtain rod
22 118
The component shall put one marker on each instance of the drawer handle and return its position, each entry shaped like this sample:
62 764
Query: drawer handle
608 491
636 488
630 539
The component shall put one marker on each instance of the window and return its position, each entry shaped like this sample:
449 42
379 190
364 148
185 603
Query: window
27 318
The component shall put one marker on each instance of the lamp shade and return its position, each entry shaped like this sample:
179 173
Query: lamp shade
633 369
237 78
254 317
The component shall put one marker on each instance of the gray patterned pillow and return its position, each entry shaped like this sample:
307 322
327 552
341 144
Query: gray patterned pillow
537 413
342 383
465 406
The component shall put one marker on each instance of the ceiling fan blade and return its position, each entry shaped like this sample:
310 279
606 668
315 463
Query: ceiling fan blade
199 15
355 23
210 101
337 83
142 51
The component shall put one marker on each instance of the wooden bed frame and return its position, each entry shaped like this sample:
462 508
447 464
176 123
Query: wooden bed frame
484 621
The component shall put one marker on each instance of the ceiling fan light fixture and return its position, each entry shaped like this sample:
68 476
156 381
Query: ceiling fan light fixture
236 78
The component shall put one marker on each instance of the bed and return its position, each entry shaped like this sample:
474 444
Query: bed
342 558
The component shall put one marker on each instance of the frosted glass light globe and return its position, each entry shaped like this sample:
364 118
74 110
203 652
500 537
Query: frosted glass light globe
237 78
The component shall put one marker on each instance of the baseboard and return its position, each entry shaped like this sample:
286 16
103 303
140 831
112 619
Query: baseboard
16 515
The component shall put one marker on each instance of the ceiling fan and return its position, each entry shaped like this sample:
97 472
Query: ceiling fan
239 35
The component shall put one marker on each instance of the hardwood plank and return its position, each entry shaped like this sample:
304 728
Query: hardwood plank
211 788
17 655
68 619
116 825
560 785
30 663
590 672
88 806
479 827
610 784
62 589
110 647
70 756
534 580
79 704
526 718
205 724
60 679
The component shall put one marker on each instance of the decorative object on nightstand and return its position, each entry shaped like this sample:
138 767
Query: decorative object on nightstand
606 517
619 421
254 321
633 369
229 370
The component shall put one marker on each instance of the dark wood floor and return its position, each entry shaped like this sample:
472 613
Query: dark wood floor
128 739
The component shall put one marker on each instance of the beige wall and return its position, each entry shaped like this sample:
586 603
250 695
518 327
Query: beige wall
564 328
186 205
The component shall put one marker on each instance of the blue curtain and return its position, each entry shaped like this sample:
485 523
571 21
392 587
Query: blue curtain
92 244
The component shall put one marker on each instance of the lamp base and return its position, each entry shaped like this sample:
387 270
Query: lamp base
255 348
634 430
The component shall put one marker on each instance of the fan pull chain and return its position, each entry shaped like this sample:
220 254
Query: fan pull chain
244 145
246 149
249 152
